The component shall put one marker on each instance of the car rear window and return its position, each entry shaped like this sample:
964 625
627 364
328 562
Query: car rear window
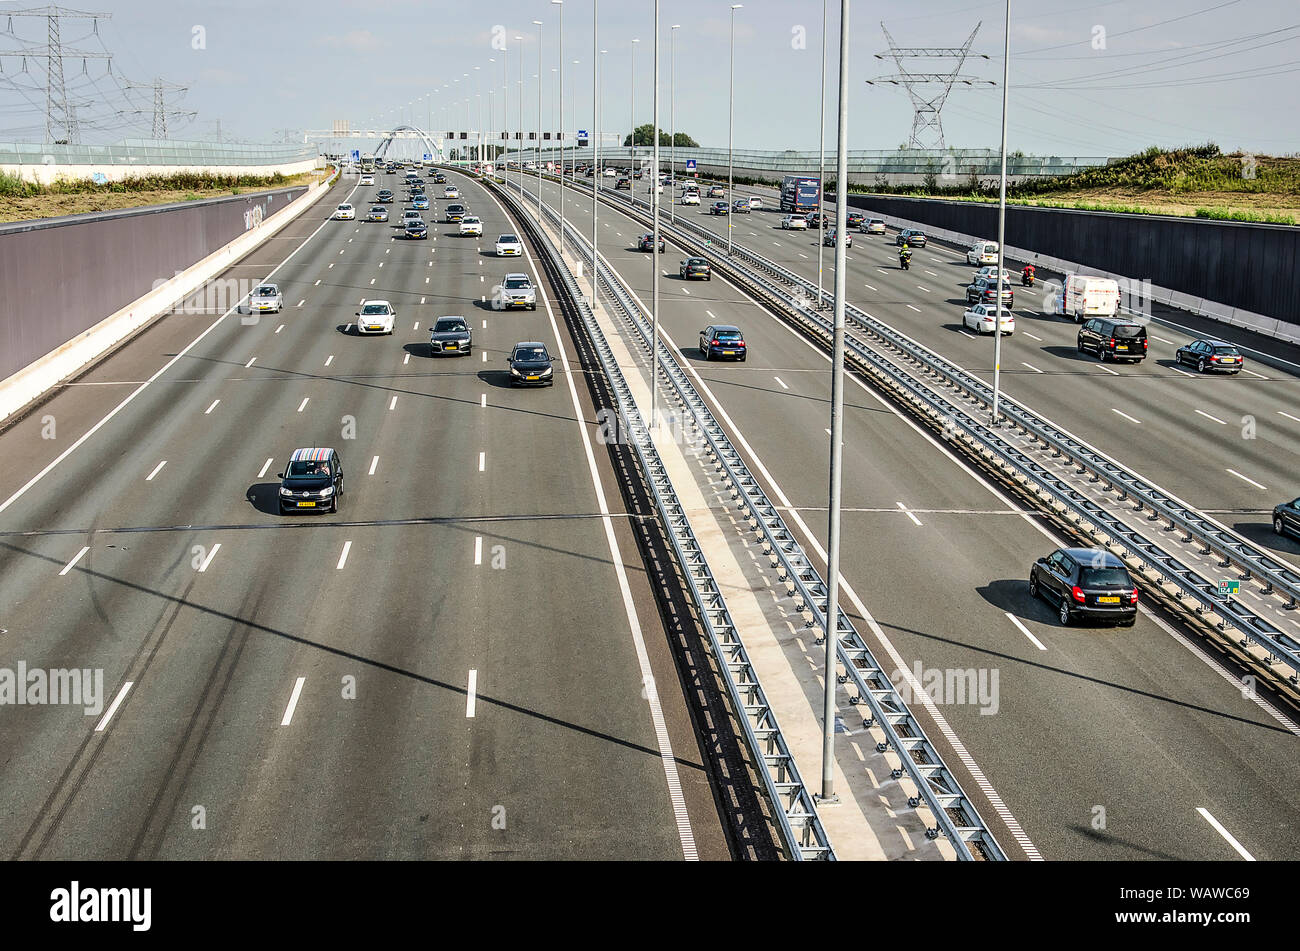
1129 330
1105 577
1227 351
728 335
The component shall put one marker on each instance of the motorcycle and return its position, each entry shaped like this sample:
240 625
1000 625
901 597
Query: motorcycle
1027 276
905 260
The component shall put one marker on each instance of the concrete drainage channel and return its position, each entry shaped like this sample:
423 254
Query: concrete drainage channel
953 816
1087 492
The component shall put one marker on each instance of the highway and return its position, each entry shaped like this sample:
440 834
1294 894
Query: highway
467 661
1106 743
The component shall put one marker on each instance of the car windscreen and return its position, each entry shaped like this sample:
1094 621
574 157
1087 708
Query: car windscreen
517 284
507 239
1104 577
308 470
1129 331
455 207
446 325
266 291
372 310
530 355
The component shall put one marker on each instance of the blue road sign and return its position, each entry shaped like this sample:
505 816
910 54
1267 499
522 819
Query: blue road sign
356 155
428 156
690 165
582 133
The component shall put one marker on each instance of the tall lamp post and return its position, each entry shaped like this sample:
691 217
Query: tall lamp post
537 149
560 106
631 139
821 165
654 237
1002 221
519 152
672 118
731 125
595 148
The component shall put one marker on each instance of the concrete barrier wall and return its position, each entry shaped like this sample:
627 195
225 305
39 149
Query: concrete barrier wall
62 276
1250 270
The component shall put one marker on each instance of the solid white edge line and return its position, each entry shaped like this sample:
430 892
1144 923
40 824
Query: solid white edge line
293 702
470 694
75 558
112 707
1228 836
343 555
140 389
684 831
1025 631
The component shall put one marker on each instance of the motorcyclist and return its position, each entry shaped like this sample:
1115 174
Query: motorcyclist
1027 275
904 256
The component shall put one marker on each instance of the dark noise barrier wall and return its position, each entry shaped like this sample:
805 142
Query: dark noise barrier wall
1253 267
62 276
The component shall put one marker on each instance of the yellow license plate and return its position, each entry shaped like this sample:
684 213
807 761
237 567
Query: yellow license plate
532 378
729 353
306 505
451 346
1108 600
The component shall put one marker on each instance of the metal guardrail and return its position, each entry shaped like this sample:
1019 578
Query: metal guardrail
802 833
955 815
1236 552
152 152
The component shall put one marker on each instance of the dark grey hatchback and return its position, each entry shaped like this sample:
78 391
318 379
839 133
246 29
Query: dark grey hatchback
1085 584
530 364
312 482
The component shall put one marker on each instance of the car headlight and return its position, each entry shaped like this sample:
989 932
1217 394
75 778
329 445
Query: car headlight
284 491
515 372
547 371
327 491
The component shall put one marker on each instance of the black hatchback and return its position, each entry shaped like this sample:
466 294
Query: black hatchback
1113 338
1085 584
530 364
312 482
722 341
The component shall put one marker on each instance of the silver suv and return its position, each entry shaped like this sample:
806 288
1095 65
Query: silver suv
517 291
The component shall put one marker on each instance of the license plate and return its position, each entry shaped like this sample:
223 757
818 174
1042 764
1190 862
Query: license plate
1121 346
728 353
1108 600
451 346
306 505
532 378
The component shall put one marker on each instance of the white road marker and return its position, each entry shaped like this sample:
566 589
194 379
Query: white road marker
156 469
72 564
303 405
1031 366
1025 631
916 521
1106 369
406 359
1253 373
1162 340
211 408
920 288
918 310
784 387
373 462
1289 416
478 549
470 694
1126 416
485 356
372 280
1213 418
329 359
279 328
293 702
485 325
482 462
343 555
208 560
392 404
417 323
1228 837
482 400
1244 479
1031 336
266 465
868 287
251 361
317 284
112 707
301 302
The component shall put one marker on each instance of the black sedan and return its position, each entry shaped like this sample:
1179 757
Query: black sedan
721 341
647 240
312 482
720 208
1085 584
451 335
1217 355
384 196
1286 518
910 237
416 228
697 268
530 364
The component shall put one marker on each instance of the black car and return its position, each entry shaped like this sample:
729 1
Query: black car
1085 584
530 364
647 240
440 179
384 197
451 335
855 219
816 221
1113 338
1217 355
720 208
721 341
312 482
695 267
1286 518
416 228
623 183
985 291
910 237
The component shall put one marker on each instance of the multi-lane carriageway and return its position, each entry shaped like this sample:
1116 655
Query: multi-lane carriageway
1107 743
467 661
369 685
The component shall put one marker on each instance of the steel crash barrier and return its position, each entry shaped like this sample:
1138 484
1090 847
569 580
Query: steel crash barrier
800 829
1279 582
954 814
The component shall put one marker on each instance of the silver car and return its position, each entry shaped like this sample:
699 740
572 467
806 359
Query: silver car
266 298
517 291
794 223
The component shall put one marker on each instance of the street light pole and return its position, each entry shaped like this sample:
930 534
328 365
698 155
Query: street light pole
595 148
631 139
672 119
654 237
1002 220
821 167
519 153
537 149
731 126
560 105
832 612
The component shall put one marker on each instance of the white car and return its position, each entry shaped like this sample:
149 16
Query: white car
691 198
471 226
794 223
609 172
367 179
376 317
451 191
345 212
509 245
755 202
873 226
265 297
980 319
983 252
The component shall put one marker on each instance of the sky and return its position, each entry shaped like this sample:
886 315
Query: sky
1087 79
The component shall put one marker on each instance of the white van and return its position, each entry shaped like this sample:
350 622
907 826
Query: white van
982 252
1082 297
